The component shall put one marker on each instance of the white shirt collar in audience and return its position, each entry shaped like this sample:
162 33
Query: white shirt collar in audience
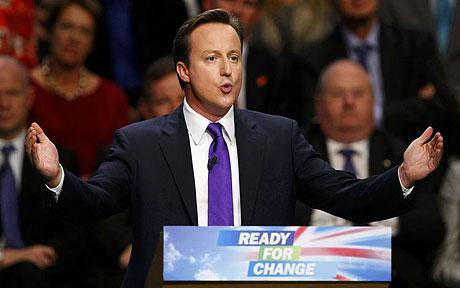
360 159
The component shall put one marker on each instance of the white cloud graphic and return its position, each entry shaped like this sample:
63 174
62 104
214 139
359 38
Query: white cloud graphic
208 260
172 255
207 274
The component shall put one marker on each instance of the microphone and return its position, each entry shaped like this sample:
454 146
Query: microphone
212 161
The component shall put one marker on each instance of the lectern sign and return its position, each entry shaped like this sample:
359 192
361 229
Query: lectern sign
277 253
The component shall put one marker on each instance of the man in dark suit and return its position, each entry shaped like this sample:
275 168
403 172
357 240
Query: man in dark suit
406 74
344 109
165 168
44 252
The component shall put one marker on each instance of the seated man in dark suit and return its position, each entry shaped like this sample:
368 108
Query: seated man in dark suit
209 163
346 136
39 250
407 80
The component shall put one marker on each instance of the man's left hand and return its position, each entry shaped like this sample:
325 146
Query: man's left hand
421 157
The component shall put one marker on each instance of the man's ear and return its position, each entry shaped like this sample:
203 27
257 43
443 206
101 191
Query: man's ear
183 72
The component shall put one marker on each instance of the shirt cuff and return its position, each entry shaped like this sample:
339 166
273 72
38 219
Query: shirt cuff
405 191
57 190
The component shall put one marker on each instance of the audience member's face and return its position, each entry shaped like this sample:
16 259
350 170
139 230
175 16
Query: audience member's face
247 11
214 71
346 102
15 101
165 96
357 9
72 36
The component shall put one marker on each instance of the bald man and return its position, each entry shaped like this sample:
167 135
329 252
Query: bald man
344 104
39 245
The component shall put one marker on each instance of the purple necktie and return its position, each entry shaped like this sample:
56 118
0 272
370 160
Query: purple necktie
220 203
9 202
348 155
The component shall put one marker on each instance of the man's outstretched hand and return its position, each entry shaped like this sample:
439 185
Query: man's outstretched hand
43 155
421 157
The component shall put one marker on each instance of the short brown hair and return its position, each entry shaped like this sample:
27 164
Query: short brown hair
181 44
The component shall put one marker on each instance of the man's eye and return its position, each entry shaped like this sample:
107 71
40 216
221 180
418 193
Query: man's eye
211 58
234 59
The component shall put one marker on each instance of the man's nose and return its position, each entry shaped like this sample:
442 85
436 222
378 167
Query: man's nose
225 69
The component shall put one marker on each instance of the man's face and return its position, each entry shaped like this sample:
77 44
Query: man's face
165 95
72 36
346 102
247 11
15 101
357 9
214 71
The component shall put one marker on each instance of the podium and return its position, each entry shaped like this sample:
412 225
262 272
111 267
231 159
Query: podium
350 257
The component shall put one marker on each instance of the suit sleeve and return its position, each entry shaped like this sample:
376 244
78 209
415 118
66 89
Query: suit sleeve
340 193
106 192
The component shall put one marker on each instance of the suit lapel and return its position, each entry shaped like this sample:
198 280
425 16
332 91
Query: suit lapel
251 151
175 145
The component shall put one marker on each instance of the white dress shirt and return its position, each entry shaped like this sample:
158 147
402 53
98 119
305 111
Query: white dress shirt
16 157
200 140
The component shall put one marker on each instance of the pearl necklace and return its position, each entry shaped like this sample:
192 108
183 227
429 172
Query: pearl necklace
54 86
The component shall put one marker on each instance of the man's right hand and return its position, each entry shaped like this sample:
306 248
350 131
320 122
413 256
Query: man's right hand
40 255
43 155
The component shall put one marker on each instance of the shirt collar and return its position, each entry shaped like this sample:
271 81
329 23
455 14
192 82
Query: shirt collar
372 39
197 124
359 146
17 142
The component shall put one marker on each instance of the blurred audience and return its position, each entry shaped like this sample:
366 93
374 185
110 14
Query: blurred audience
447 267
39 250
287 26
79 109
440 18
409 90
162 92
346 136
17 30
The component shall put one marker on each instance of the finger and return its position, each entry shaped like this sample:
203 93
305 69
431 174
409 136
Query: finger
437 141
28 143
39 132
425 136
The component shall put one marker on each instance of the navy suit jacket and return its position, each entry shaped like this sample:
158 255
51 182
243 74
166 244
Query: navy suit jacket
150 168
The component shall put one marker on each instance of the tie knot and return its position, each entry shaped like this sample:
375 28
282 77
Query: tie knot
6 151
347 153
215 129
362 49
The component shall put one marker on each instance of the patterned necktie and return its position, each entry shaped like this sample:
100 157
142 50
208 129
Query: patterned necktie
220 202
348 155
9 202
362 51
